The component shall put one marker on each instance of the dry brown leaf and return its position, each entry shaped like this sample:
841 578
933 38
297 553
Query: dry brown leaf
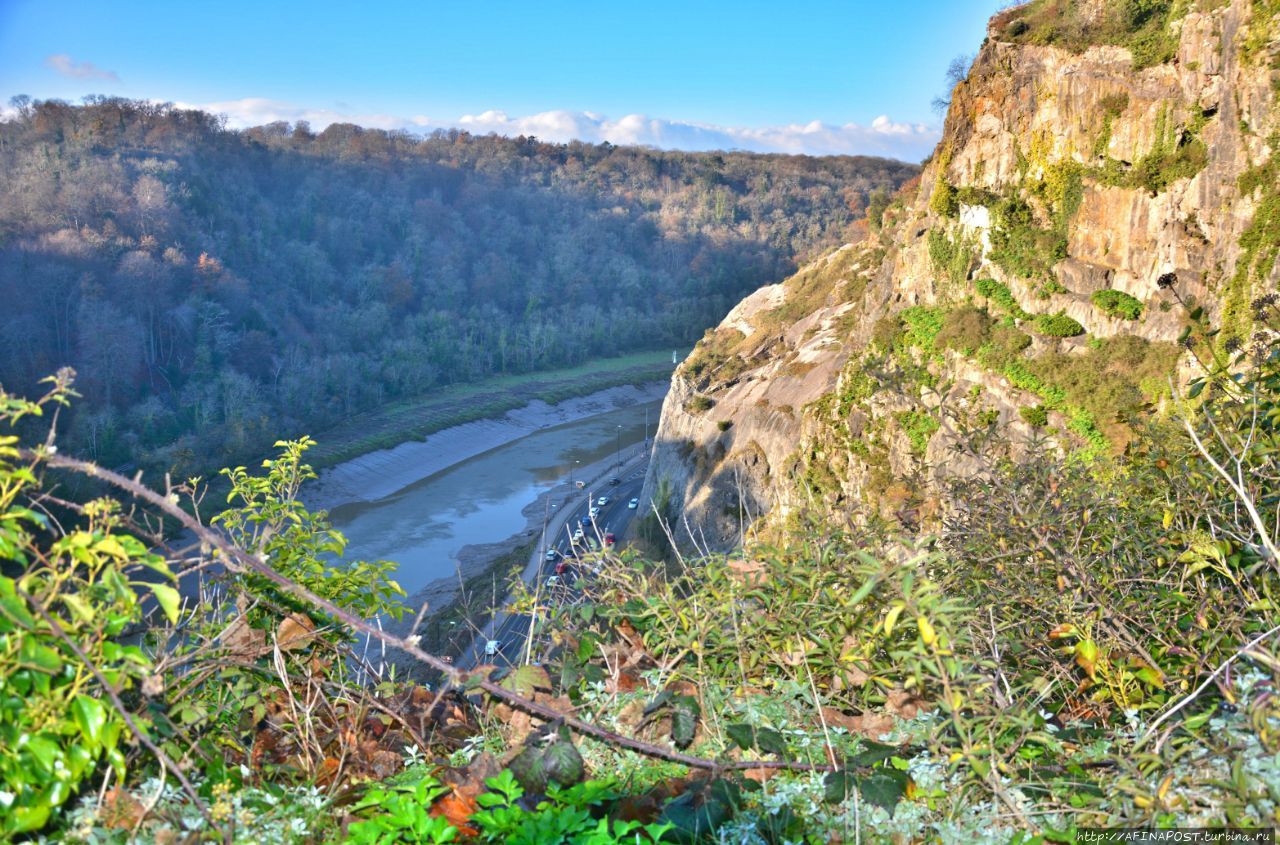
384 764
241 640
749 573
295 632
872 725
759 775
519 725
457 809
622 682
120 810
904 704
631 716
328 771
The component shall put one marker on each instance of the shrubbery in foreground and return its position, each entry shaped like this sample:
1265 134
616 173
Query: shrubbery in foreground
1080 641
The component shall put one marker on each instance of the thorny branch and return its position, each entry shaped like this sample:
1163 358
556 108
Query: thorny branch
237 559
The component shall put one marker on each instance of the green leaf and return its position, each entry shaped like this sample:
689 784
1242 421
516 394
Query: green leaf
526 679
765 739
863 592
562 763
654 706
169 600
838 785
884 788
90 716
871 753
684 725
79 607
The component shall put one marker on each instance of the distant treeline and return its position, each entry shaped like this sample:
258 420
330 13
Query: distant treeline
217 290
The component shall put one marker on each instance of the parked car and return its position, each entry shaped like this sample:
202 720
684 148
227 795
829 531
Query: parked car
633 504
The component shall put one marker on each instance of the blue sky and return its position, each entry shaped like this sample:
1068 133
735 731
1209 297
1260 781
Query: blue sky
803 76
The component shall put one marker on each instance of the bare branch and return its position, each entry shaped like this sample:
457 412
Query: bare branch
238 560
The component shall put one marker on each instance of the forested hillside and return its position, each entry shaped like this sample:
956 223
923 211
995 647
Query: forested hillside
216 290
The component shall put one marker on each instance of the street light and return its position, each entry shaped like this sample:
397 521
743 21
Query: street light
617 460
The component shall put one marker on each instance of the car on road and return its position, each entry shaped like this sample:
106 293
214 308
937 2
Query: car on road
552 554
491 648
553 582
563 566
633 504
610 538
577 536
602 501
615 481
594 512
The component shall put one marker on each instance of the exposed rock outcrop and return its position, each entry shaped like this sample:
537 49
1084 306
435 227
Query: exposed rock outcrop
1078 217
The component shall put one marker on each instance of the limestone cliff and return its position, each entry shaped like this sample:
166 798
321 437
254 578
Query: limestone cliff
1092 203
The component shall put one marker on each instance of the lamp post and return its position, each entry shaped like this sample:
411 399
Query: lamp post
617 459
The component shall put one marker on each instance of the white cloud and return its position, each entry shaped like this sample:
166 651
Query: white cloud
66 66
883 136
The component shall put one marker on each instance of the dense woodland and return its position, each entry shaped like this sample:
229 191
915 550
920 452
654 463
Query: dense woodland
216 290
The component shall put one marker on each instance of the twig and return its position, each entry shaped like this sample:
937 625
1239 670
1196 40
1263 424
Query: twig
239 560
1192 695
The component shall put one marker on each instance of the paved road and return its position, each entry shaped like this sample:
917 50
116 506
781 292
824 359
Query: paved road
511 630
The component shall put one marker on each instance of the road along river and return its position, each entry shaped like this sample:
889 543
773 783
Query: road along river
424 526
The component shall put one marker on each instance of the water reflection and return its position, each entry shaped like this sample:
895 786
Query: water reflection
480 500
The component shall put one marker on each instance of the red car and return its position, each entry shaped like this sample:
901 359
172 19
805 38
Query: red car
610 539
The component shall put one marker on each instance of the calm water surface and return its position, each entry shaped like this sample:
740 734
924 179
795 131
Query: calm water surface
423 526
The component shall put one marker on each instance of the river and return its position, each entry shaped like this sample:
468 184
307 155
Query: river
479 500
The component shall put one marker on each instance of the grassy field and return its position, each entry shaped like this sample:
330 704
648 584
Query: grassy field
415 419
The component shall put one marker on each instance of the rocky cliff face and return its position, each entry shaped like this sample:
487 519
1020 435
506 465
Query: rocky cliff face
1084 229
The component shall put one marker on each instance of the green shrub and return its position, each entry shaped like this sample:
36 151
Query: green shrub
965 329
1177 153
1058 325
1117 303
919 426
1036 416
887 332
943 201
1020 246
922 322
1145 27
952 258
999 293
699 403
62 616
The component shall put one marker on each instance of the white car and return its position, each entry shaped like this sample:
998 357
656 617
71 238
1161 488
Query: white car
491 648
633 504
602 501
577 536
552 554
553 581
594 512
